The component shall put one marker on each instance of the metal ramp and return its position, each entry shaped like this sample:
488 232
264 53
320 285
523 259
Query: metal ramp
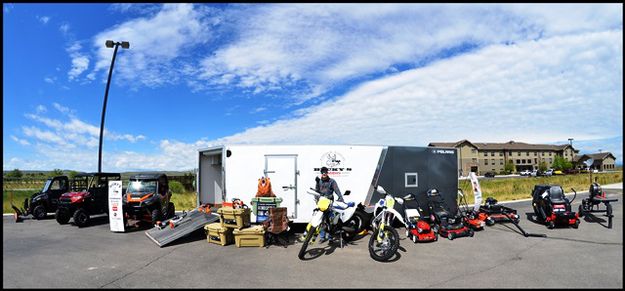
181 225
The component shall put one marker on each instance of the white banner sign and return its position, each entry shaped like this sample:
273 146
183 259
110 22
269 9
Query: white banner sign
116 215
477 192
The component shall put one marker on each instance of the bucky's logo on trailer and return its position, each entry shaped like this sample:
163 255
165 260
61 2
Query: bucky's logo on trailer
335 162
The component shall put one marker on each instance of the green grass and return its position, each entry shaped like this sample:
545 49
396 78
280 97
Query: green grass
506 189
184 201
18 198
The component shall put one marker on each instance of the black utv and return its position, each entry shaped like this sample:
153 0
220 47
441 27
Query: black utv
41 203
148 198
88 196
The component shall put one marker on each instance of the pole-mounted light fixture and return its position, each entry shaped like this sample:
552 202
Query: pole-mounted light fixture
109 44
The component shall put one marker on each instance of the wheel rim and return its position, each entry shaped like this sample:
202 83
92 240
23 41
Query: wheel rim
82 217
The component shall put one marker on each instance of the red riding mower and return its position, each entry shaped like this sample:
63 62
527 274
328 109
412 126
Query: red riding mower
552 207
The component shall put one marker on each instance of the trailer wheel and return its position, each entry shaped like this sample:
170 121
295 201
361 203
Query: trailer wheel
81 217
39 212
62 216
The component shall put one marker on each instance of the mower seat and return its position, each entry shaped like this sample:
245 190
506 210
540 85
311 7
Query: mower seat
556 195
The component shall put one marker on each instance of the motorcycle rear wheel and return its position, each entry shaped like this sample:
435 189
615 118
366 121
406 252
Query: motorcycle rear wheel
388 248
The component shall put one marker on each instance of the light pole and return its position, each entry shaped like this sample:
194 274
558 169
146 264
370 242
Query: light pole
109 44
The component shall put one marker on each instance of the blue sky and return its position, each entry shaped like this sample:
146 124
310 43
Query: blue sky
198 75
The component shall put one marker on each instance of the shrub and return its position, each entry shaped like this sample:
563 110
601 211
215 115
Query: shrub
176 187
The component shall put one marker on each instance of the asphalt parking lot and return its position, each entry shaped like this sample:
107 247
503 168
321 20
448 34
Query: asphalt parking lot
44 254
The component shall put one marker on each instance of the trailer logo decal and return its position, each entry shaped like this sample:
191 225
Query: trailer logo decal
448 152
335 162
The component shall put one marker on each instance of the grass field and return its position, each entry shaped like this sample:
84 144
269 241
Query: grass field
506 189
503 189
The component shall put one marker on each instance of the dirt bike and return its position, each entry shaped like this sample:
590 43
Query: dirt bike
384 241
338 219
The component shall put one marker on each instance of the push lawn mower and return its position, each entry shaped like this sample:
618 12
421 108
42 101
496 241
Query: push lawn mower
552 207
419 227
591 204
450 226
470 217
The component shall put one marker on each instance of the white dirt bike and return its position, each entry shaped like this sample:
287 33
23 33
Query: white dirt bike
339 219
384 241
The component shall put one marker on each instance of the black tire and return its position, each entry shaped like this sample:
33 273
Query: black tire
435 236
171 210
156 215
551 225
40 212
393 238
62 216
608 210
490 221
302 251
580 211
81 217
357 221
471 232
576 224
450 236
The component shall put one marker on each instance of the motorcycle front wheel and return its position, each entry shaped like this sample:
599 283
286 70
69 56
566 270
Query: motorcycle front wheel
385 248
311 232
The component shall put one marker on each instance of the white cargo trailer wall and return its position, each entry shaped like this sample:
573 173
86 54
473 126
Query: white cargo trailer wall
292 170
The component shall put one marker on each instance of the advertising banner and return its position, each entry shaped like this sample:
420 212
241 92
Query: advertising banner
477 192
116 215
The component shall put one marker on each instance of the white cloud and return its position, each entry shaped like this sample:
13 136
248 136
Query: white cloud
19 140
61 108
64 28
41 109
320 46
534 91
80 62
43 19
48 80
155 43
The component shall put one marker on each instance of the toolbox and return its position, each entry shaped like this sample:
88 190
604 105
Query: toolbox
261 205
250 237
218 235
234 218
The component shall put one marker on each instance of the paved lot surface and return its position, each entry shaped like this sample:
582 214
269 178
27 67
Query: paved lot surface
44 254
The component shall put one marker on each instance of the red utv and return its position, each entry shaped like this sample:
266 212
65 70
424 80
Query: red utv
88 196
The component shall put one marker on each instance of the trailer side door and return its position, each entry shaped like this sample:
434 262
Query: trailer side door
282 170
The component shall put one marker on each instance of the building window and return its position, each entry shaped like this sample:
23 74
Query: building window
501 154
485 161
527 154
550 161
550 154
543 154
492 154
473 151
510 153
518 161
501 162
535 161
535 153
411 180
493 162
474 160
486 154
523 161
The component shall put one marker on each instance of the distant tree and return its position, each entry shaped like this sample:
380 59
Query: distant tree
542 166
560 163
72 174
509 167
16 173
55 172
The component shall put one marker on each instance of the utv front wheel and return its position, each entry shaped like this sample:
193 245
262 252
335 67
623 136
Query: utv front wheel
156 215
40 212
62 216
81 217
171 210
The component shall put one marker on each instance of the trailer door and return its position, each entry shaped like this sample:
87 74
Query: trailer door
282 170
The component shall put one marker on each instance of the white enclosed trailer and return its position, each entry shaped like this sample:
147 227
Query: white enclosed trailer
232 171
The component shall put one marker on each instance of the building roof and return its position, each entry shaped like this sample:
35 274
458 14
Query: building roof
595 157
511 145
